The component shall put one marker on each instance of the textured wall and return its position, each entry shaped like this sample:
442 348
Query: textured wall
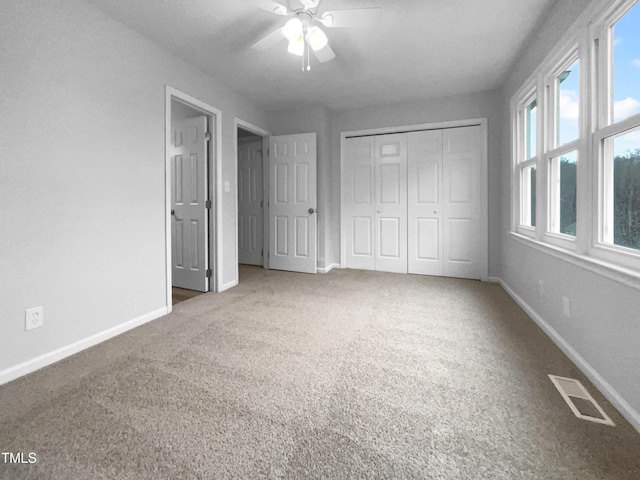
605 326
82 187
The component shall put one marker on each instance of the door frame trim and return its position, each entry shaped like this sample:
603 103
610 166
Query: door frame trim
260 132
484 178
214 174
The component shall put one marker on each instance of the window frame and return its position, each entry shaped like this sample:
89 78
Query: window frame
522 163
589 39
565 55
606 127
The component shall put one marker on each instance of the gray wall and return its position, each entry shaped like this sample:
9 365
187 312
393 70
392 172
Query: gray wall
604 330
82 183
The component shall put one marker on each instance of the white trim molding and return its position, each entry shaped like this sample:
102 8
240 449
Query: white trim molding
625 409
42 361
214 182
261 132
328 268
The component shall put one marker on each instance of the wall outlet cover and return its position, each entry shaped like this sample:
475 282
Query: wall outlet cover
33 318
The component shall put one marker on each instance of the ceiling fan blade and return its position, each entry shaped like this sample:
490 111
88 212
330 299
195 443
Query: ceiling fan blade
268 41
356 17
325 54
270 6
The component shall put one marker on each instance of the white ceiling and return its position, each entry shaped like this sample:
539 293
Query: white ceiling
420 48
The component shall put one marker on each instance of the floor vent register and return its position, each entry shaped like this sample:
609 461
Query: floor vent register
580 401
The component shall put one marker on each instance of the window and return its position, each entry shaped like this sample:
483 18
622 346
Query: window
564 117
618 137
576 180
625 65
562 203
531 124
567 116
527 161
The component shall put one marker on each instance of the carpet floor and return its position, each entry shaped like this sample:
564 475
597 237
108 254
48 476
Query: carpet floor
346 375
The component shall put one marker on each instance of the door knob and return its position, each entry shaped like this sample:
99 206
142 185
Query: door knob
311 210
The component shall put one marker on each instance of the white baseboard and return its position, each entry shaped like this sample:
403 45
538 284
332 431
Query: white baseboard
37 363
626 410
228 285
494 280
329 268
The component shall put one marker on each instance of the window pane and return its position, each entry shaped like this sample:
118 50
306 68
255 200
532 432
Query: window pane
568 102
626 65
531 141
626 190
528 200
563 208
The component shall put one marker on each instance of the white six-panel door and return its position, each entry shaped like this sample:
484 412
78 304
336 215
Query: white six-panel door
422 215
358 199
250 203
390 202
425 204
461 201
292 202
188 196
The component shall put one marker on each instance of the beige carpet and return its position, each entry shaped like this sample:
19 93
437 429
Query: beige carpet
339 376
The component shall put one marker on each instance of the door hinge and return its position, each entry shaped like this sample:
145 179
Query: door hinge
207 136
262 253
207 204
261 204
208 273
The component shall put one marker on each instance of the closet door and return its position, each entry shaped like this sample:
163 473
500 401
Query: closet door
461 202
357 197
390 201
425 202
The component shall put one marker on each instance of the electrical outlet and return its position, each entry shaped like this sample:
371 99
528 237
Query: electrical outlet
33 318
566 307
541 288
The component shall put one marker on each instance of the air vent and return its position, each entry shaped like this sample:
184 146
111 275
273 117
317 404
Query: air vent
580 401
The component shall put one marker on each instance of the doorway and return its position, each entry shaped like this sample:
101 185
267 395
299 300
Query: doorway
192 157
252 145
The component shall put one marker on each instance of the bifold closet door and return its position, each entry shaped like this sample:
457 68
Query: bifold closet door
358 201
461 201
424 202
445 198
375 201
390 201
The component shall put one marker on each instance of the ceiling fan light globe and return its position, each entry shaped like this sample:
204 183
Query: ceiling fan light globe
280 10
292 29
327 19
317 38
296 46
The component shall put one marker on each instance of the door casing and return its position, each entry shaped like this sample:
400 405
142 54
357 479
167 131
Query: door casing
239 123
214 183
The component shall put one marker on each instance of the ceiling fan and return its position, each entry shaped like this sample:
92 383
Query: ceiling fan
303 31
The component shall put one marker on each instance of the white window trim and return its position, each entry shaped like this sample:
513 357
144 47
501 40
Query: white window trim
587 248
520 162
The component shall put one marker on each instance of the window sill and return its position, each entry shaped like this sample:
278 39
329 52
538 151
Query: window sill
624 276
